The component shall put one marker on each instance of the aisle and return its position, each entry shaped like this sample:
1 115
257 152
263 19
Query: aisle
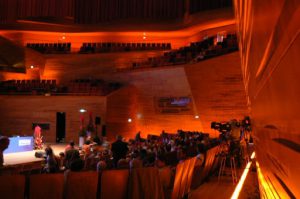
224 188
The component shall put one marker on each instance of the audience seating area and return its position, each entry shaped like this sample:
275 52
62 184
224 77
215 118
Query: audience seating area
50 48
122 47
148 182
104 47
197 51
42 87
91 87
27 86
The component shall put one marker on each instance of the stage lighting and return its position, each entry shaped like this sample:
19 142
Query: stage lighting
129 120
139 115
196 116
32 66
82 110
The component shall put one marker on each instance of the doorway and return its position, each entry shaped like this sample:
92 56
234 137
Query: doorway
60 127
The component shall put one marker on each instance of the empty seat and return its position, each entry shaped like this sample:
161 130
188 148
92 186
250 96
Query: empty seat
184 178
12 186
114 184
46 186
166 177
145 183
202 171
190 174
81 185
177 181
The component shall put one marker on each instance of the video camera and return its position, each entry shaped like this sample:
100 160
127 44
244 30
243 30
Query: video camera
223 127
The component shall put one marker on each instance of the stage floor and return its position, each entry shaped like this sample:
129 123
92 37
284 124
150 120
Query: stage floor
29 156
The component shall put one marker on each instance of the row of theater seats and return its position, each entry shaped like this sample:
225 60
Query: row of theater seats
25 86
197 51
50 48
146 183
91 87
121 47
41 87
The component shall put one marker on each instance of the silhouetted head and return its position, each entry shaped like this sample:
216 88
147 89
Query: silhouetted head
72 143
48 150
119 137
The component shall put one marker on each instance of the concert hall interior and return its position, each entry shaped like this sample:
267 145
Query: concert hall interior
149 99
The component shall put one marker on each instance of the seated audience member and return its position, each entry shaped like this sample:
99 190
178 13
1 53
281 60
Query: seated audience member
77 164
170 156
62 161
123 164
135 162
160 161
150 160
86 148
4 142
98 140
51 163
70 146
91 160
71 155
101 165
200 159
143 156
119 149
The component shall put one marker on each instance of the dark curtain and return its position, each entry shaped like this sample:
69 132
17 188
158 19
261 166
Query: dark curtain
45 8
201 5
8 11
93 11
96 11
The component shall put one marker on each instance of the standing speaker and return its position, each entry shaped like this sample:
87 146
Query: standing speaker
97 120
104 130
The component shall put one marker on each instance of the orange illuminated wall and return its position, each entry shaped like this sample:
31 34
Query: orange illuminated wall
217 88
269 47
139 103
121 106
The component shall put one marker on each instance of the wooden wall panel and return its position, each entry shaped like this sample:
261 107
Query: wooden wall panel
161 82
19 112
218 89
68 67
215 87
270 45
121 105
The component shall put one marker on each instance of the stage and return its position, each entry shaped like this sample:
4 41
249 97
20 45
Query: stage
23 158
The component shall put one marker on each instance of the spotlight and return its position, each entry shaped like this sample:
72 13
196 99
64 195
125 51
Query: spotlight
82 110
139 115
32 66
196 116
129 120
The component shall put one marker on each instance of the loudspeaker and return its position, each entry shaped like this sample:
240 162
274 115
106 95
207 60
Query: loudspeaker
104 130
98 120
